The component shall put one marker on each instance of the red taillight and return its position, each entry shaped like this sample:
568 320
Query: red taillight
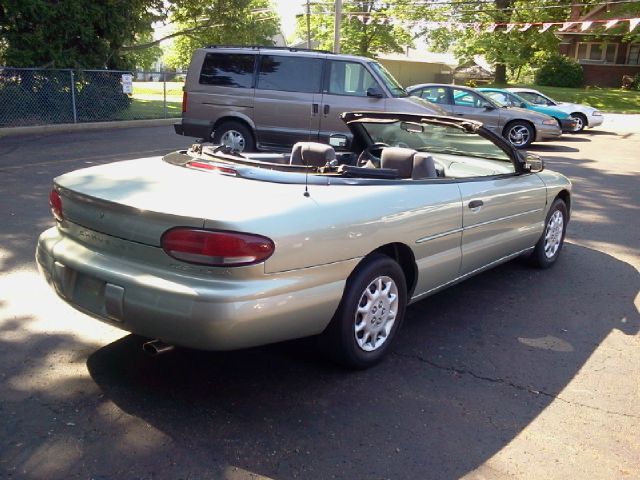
56 204
184 102
219 249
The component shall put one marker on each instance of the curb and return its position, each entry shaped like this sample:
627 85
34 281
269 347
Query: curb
75 127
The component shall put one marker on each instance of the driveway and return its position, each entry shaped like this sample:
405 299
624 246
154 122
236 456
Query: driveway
516 373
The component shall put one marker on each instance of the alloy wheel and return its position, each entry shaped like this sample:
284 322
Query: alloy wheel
376 313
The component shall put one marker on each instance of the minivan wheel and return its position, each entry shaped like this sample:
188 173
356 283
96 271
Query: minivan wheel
370 313
234 135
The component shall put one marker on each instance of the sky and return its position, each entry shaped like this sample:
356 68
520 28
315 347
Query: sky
287 9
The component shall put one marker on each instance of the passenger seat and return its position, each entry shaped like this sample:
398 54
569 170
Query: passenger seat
398 158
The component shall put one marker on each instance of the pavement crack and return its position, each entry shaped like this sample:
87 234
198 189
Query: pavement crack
533 391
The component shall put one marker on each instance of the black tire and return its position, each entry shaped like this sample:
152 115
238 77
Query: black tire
234 134
519 133
549 245
582 122
341 342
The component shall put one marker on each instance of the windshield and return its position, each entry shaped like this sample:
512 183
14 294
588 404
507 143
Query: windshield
435 138
499 98
391 83
520 99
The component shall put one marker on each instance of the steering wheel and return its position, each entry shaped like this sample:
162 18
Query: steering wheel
367 154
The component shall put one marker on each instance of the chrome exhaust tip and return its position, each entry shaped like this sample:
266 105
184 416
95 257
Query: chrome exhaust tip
156 347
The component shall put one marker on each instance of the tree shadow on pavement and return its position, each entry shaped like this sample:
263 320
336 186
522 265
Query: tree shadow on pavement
467 375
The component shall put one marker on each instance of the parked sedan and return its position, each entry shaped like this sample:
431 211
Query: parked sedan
214 249
584 115
519 126
504 97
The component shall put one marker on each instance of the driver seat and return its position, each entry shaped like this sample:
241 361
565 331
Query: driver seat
423 167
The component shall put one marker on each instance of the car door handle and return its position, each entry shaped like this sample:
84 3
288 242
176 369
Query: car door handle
475 204
326 110
315 108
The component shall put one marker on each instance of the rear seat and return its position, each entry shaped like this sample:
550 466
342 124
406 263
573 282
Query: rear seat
312 153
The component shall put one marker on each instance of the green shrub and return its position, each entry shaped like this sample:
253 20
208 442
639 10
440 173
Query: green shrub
635 83
99 96
559 71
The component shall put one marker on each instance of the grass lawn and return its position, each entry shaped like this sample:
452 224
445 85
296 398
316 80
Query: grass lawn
612 100
150 109
155 88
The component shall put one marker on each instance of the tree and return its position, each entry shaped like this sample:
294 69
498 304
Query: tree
368 26
142 58
203 22
73 33
508 51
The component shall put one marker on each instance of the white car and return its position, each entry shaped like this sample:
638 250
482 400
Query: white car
584 115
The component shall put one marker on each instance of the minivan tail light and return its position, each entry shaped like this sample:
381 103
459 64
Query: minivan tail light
216 248
55 201
184 102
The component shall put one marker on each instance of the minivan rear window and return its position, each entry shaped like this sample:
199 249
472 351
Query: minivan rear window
290 74
228 70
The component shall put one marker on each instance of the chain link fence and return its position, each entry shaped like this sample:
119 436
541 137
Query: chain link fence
30 96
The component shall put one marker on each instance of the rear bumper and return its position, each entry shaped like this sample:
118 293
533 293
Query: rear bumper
193 311
194 128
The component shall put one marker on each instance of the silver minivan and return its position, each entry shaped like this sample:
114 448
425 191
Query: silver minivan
270 98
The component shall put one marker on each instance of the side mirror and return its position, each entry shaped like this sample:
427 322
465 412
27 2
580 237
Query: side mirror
533 163
374 92
488 106
523 105
337 140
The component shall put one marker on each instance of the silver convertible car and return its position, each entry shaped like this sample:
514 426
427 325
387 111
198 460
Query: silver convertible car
213 249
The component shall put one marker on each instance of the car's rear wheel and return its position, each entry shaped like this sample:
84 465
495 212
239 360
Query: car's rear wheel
549 245
519 134
370 313
581 122
234 135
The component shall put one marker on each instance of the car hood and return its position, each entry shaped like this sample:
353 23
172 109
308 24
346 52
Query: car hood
575 107
553 111
523 113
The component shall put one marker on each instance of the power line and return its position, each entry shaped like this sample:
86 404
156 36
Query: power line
506 9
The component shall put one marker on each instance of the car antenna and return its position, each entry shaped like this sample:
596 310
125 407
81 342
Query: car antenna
306 173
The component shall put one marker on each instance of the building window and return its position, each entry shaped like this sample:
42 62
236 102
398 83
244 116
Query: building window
633 56
596 52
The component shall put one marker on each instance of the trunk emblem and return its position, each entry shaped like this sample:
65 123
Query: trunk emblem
101 214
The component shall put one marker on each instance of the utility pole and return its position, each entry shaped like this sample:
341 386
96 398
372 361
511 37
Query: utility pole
309 24
336 32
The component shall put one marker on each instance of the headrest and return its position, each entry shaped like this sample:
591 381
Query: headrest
312 153
423 166
398 158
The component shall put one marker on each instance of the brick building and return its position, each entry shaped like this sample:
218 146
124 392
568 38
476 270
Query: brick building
605 55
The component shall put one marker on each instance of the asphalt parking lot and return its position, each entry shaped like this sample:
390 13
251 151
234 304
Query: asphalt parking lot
516 373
